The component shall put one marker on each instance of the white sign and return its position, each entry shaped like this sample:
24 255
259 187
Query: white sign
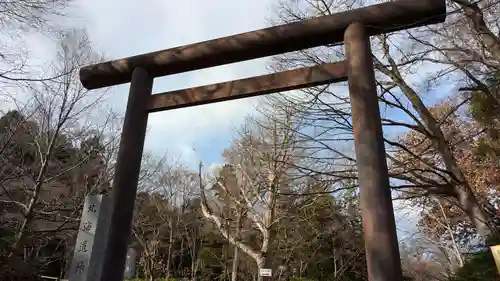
91 241
266 272
495 250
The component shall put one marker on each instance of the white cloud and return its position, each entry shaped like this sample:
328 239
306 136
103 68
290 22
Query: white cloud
214 168
406 218
122 28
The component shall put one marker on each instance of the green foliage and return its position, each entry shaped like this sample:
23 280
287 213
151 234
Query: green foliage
484 108
6 238
13 270
156 279
331 239
70 170
481 267
301 279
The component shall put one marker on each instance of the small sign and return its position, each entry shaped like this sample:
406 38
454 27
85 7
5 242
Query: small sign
495 250
266 272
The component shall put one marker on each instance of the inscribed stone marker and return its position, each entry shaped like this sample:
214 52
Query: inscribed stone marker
91 241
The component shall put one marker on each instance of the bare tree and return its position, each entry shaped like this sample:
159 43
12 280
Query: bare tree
165 222
251 187
58 105
152 210
448 50
178 186
34 13
18 19
419 268
149 230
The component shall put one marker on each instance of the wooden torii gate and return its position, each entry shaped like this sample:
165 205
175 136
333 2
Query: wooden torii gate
351 27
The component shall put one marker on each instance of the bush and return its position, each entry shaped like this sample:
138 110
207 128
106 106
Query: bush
481 267
14 269
165 279
300 279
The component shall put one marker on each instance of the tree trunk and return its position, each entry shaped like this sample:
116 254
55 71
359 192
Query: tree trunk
194 258
149 268
475 212
181 262
456 249
465 196
262 263
169 251
476 21
36 191
234 272
28 215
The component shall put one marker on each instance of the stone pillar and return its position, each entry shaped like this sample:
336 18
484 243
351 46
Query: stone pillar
88 256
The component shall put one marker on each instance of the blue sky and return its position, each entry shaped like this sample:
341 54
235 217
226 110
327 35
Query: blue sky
121 28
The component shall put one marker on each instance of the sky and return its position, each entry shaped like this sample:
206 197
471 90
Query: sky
122 28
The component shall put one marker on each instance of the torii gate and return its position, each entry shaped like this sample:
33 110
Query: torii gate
351 27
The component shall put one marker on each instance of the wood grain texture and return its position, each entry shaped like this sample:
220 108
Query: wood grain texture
250 87
382 18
